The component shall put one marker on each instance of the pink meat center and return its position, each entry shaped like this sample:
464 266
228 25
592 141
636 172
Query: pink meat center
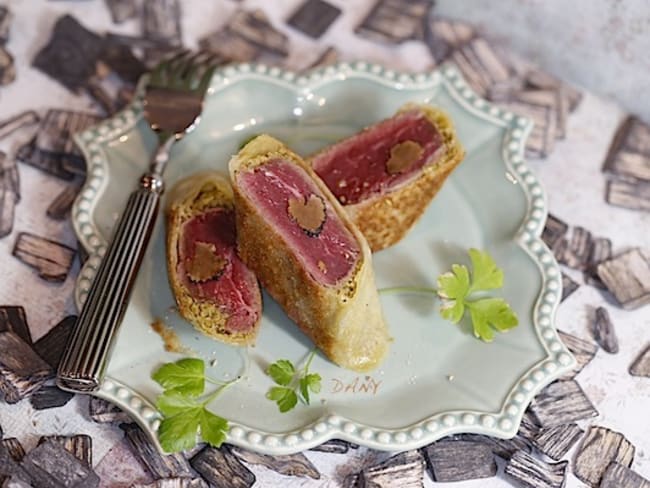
235 287
356 168
327 255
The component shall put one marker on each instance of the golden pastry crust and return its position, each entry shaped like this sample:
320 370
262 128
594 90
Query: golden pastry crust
386 218
190 197
345 321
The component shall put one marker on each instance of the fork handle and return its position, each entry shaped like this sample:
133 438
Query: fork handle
84 359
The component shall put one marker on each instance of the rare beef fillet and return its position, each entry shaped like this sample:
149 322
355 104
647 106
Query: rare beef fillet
214 289
386 175
307 253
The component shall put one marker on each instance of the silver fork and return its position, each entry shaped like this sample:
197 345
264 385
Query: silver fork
172 106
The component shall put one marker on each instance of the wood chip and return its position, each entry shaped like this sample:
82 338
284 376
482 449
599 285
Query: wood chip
483 67
175 483
7 67
604 332
51 259
50 347
71 54
58 127
554 230
629 193
229 46
529 427
395 21
161 21
52 466
641 365
287 465
556 441
8 201
405 470
21 370
80 446
569 285
10 457
13 319
541 141
122 10
314 17
104 412
443 36
504 448
562 402
14 448
255 27
619 476
60 207
118 59
48 163
459 460
328 57
577 252
536 78
583 350
15 451
554 99
5 22
53 150
160 465
335 446
629 153
248 36
534 473
219 467
599 447
630 164
18 122
9 177
627 277
601 250
49 397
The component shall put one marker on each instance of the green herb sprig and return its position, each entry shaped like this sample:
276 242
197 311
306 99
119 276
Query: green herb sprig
293 383
184 406
463 291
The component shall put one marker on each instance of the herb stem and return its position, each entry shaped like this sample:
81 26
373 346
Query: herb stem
309 360
216 382
216 392
397 290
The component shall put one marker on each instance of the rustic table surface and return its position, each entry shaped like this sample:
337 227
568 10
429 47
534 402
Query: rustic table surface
589 429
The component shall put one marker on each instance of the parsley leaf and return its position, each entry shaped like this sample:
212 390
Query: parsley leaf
453 286
455 283
185 376
485 273
282 372
294 384
493 312
213 428
171 403
286 398
308 383
183 407
456 289
178 433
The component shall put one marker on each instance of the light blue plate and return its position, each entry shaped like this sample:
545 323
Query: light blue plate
438 379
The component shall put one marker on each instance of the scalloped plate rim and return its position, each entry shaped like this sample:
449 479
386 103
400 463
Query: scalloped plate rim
502 424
